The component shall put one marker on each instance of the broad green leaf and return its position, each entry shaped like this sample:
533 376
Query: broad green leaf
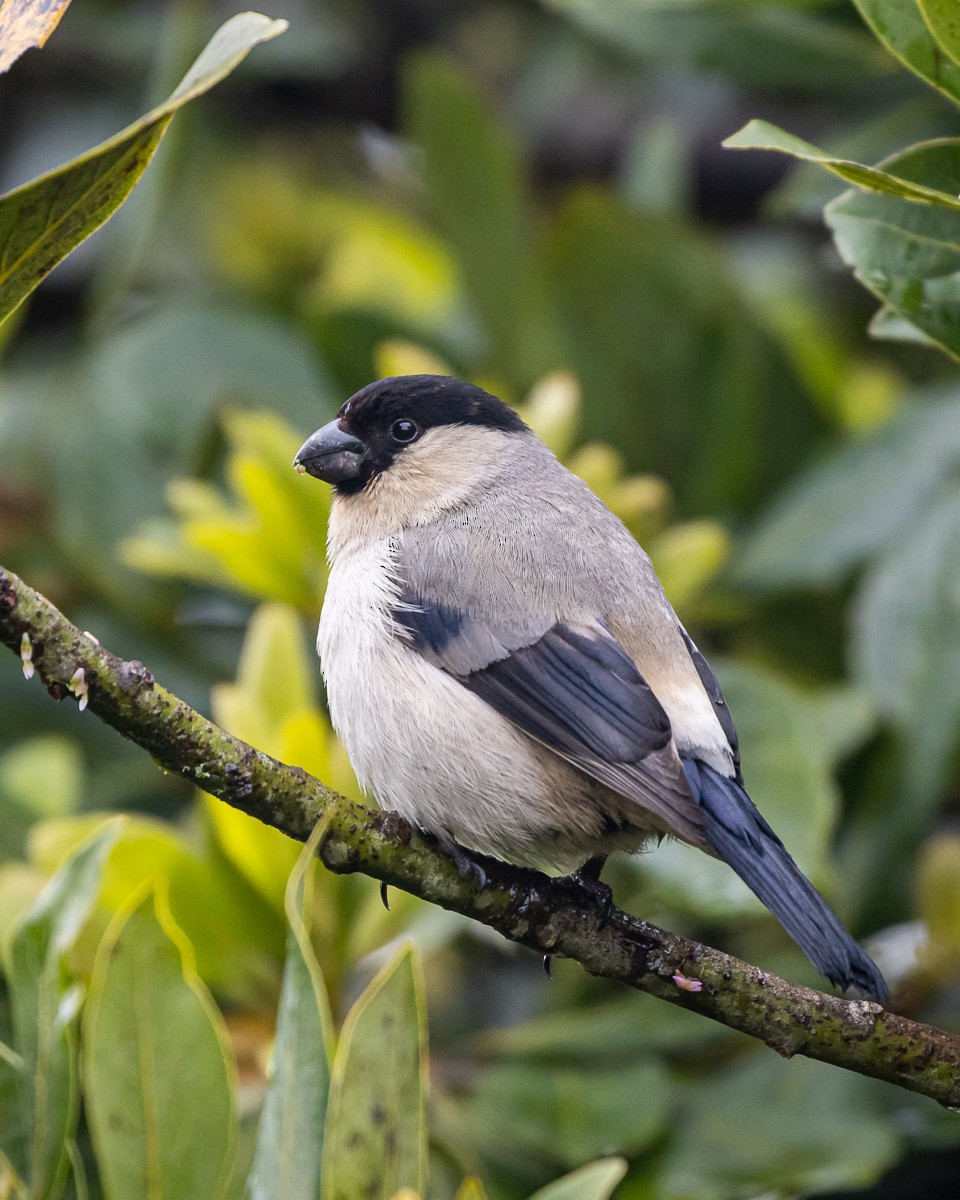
669 356
594 1182
886 325
375 1137
235 936
288 1157
761 135
158 1075
265 537
687 556
272 705
82 424
758 44
532 1118
906 645
41 222
20 885
44 1003
908 254
43 775
900 26
938 893
614 1031
471 1189
863 138
943 21
479 194
273 228
25 24
842 510
766 1126
788 766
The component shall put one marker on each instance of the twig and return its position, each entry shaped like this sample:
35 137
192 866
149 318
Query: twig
524 906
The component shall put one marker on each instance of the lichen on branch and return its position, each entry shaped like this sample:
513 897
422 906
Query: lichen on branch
550 917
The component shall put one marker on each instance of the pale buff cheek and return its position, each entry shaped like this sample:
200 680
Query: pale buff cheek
437 473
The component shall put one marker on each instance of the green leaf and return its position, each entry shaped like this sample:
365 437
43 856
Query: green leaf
529 1116
158 1075
43 775
25 24
761 135
758 44
41 222
906 644
594 1182
614 1031
288 1158
908 254
777 1128
44 1003
235 937
943 21
375 1137
888 326
471 1189
938 893
900 26
847 507
669 357
476 183
265 537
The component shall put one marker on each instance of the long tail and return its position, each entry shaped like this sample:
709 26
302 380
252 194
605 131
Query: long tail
744 840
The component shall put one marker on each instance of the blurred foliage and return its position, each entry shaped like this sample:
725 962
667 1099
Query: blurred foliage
532 198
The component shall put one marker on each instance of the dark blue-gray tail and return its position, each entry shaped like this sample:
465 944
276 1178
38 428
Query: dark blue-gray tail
744 840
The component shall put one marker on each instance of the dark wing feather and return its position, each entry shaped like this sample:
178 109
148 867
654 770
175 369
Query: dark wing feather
576 691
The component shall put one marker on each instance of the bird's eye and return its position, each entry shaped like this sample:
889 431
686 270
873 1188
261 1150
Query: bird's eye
403 431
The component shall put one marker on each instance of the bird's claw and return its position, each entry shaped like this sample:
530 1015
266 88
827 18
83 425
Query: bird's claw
587 878
465 864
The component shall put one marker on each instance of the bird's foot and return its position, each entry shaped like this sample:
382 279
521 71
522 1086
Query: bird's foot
465 863
587 878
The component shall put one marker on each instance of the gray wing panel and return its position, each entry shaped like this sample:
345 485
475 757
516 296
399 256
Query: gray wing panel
570 686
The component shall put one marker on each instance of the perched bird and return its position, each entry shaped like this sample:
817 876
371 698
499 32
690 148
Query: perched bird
503 666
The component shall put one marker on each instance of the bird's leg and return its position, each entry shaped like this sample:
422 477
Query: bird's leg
384 896
587 877
466 865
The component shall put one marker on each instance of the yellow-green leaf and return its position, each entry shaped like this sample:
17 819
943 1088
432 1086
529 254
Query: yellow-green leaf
41 222
761 135
42 1117
375 1138
25 24
158 1076
288 1157
593 1182
943 20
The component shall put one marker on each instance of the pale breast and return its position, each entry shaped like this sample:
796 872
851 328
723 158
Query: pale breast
429 749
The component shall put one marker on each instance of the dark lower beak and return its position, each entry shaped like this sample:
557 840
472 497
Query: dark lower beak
331 455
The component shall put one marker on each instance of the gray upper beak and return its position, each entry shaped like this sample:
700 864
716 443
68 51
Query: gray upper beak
331 454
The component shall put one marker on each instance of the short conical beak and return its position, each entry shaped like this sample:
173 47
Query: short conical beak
331 454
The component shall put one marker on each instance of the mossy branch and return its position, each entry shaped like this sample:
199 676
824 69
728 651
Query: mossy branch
524 906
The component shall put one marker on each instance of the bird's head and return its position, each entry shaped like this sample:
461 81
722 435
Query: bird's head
395 421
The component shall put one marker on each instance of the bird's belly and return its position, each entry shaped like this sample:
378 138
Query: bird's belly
432 751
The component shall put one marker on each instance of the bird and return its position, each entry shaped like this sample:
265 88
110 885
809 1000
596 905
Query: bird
505 671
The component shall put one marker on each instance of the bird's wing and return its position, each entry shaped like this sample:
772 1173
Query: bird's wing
573 688
712 688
